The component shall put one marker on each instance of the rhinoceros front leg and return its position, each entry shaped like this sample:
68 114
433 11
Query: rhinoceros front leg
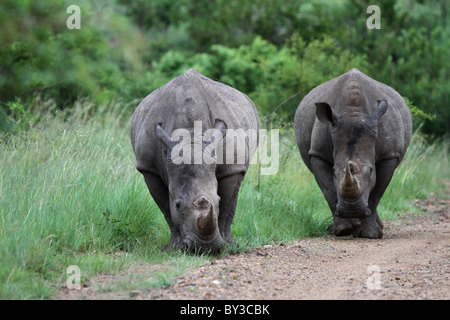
160 194
372 227
228 192
323 173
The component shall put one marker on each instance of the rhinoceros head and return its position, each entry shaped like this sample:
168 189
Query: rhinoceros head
353 136
194 202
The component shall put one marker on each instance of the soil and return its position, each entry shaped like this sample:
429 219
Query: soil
412 261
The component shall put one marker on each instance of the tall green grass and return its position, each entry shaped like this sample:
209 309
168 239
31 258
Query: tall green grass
69 194
424 170
280 207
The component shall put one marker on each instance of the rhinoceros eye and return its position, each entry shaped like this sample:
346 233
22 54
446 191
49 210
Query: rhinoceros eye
178 204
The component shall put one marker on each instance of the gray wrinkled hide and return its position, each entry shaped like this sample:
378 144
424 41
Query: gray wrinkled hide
330 152
191 97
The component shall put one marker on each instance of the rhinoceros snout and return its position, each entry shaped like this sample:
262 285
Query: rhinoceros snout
352 210
200 246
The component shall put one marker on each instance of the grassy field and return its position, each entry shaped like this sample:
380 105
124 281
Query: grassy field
70 195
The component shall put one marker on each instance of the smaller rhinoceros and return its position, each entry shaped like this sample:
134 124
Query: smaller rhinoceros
353 132
179 160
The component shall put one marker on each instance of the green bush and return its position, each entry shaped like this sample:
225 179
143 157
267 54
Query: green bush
47 59
266 73
273 51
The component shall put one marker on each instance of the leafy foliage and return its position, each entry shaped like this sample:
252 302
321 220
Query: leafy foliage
40 56
272 50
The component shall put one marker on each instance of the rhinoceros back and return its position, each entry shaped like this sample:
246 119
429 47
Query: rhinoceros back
178 104
353 92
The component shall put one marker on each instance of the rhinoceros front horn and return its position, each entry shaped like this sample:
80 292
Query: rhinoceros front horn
205 222
350 185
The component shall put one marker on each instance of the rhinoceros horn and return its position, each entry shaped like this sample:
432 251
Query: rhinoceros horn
350 185
205 222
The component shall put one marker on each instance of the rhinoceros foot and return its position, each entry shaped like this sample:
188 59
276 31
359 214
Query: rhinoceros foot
371 227
343 227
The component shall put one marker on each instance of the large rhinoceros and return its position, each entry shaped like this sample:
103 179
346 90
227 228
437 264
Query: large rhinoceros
198 198
353 132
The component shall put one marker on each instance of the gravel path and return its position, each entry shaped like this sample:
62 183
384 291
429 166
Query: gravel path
412 261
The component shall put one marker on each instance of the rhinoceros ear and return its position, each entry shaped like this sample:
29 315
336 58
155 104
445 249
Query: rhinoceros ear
381 109
216 133
325 113
220 125
162 135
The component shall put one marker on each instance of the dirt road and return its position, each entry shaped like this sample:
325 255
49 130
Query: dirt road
412 261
